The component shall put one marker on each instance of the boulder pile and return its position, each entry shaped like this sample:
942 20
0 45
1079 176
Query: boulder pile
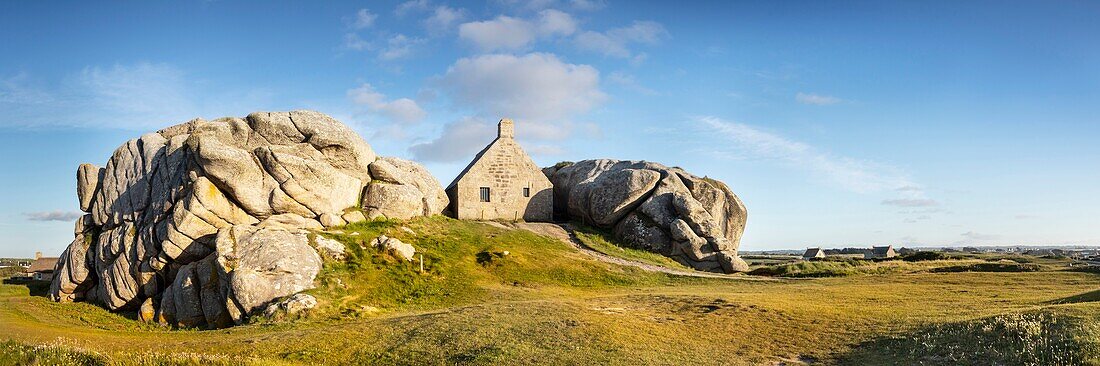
695 221
203 223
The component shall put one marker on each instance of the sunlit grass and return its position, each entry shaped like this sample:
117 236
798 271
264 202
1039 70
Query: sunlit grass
545 303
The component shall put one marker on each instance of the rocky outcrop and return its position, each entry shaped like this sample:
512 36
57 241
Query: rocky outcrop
205 222
402 189
696 221
395 246
293 305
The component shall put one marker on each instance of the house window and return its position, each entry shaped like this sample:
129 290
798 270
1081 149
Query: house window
526 192
484 194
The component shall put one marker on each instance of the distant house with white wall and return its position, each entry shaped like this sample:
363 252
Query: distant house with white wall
881 252
813 253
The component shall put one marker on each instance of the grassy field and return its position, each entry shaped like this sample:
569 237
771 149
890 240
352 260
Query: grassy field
545 303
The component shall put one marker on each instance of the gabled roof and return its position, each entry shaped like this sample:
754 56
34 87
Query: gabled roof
44 264
812 252
505 132
472 163
881 250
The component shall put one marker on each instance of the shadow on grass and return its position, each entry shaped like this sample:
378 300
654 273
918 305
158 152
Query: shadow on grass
1091 296
1039 338
990 267
36 288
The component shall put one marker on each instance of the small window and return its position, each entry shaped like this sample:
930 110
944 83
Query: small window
484 194
526 192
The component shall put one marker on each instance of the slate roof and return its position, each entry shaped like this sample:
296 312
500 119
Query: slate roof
44 264
813 253
881 251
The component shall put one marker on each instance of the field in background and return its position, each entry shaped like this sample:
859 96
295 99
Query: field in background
543 302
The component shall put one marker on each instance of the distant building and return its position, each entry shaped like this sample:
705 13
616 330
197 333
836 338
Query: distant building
502 183
42 268
813 253
881 252
1039 252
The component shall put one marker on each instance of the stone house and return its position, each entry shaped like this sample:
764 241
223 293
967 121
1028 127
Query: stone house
881 252
42 268
502 183
813 253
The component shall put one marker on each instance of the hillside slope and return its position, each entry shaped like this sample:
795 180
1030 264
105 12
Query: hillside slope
545 302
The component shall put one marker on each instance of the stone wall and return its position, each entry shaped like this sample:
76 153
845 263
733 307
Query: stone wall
506 170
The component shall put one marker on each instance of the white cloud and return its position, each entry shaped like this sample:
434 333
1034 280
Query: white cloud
851 174
410 6
544 150
504 32
155 92
909 189
459 141
402 110
508 33
53 215
535 89
912 220
352 41
443 18
527 5
616 42
140 96
911 202
815 99
399 46
15 90
588 5
980 237
363 19
556 23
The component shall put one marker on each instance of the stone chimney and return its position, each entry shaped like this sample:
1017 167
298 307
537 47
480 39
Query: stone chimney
37 255
506 129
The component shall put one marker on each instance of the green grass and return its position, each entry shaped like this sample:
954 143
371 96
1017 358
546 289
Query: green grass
1048 338
463 264
841 267
546 303
1007 266
603 242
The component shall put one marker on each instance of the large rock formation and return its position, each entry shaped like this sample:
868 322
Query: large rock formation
696 221
206 222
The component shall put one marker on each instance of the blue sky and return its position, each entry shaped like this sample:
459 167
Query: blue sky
837 123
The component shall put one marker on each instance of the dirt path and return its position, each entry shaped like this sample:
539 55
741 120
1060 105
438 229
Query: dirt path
565 234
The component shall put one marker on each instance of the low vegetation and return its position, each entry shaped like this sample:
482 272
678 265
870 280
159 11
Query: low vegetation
991 267
603 242
463 262
489 295
11 271
841 266
1047 338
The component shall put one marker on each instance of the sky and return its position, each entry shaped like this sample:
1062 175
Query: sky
845 123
